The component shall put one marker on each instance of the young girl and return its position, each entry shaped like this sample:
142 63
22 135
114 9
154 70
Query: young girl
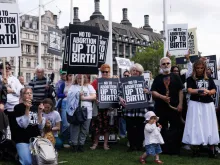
54 118
153 138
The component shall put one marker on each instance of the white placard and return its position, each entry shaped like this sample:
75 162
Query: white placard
123 63
177 39
192 41
10 44
147 78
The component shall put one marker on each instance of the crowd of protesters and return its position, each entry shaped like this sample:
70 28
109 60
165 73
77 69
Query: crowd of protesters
170 119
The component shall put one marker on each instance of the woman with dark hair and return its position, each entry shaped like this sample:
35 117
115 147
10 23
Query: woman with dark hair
54 118
27 123
201 124
100 123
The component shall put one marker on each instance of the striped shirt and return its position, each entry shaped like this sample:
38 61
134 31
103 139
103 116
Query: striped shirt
39 89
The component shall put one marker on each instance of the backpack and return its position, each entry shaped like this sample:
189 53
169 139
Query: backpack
42 151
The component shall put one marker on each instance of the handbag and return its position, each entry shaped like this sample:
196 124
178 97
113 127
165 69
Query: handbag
79 116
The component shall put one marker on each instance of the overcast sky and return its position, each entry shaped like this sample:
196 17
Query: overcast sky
204 15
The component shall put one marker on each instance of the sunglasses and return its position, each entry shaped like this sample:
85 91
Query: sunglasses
166 63
126 75
104 72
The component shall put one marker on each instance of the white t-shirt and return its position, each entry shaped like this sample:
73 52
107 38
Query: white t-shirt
87 90
54 118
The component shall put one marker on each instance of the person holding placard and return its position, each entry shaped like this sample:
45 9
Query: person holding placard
135 117
201 126
101 123
87 94
168 95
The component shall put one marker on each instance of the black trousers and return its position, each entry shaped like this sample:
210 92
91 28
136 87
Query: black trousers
135 131
173 135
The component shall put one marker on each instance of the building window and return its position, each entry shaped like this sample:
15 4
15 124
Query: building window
27 35
45 49
21 62
45 37
34 26
12 61
35 49
50 65
35 63
22 47
27 24
28 48
28 77
35 37
28 62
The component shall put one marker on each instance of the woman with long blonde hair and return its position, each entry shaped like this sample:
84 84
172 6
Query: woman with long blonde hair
201 123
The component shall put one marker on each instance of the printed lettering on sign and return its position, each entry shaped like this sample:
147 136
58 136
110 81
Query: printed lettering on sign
55 41
9 30
178 39
133 92
108 93
84 49
103 46
33 119
192 41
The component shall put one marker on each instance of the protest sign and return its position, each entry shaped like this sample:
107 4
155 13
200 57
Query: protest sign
147 78
182 60
10 44
123 63
103 47
133 92
216 96
212 64
108 93
54 41
83 49
177 39
66 52
192 41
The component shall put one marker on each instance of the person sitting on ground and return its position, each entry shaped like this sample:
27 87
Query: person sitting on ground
54 118
27 123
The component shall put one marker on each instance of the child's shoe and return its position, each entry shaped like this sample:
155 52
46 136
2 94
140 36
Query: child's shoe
142 160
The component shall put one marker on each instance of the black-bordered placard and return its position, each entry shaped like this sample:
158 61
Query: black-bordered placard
83 49
54 41
133 92
108 93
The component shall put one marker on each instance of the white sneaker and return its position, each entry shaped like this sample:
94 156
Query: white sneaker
66 145
186 147
217 149
128 144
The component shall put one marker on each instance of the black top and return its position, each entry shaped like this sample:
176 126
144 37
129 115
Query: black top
22 135
175 86
201 83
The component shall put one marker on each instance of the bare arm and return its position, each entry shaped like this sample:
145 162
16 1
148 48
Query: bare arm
57 127
181 97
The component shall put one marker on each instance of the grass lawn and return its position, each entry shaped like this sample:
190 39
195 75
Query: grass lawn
118 156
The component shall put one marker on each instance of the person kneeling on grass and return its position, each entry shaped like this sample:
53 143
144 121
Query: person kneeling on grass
153 138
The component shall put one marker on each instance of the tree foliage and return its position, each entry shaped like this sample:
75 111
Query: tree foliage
149 57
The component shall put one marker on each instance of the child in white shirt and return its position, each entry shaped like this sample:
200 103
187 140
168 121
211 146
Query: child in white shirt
153 138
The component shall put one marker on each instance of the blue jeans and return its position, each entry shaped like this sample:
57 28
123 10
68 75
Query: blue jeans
122 127
65 124
24 153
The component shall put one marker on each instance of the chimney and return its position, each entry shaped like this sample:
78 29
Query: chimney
97 13
125 20
146 24
76 19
